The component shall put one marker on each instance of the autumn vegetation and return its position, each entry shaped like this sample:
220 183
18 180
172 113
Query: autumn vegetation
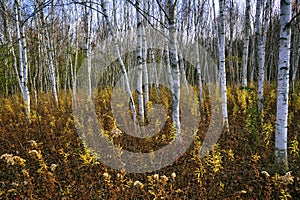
45 158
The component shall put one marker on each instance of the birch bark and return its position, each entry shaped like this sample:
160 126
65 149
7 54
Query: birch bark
261 57
22 51
246 42
222 63
88 51
281 160
139 66
175 68
50 57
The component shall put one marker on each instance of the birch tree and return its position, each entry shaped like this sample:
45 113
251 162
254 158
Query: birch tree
74 67
231 30
174 67
281 160
199 70
139 66
222 63
50 56
182 69
88 51
246 42
261 57
22 52
257 27
145 72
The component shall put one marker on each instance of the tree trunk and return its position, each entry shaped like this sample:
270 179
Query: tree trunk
199 70
50 57
88 51
145 72
22 51
182 69
175 68
222 64
246 42
139 66
281 160
261 57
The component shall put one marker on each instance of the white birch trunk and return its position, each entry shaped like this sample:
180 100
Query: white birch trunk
281 160
22 57
139 67
261 57
74 67
199 71
246 42
145 73
155 76
222 64
88 50
50 57
175 68
25 63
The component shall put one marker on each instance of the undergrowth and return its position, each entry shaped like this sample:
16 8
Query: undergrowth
45 158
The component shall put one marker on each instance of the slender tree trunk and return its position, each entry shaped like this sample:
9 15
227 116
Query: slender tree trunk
145 73
74 71
257 28
296 65
261 57
222 64
252 62
296 53
25 63
182 69
199 76
50 57
168 65
175 68
139 66
115 14
281 159
230 56
88 51
246 42
22 57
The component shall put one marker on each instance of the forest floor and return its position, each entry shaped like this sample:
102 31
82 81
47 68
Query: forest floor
46 159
